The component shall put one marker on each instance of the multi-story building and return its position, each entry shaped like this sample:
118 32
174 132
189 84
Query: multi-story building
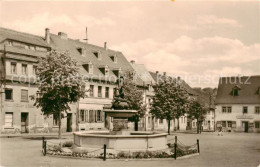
19 51
101 68
144 81
238 104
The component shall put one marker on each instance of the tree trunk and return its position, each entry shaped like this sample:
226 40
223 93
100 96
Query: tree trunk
169 126
198 126
60 125
178 124
152 123
136 124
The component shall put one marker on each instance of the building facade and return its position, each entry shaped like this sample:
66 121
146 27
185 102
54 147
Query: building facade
238 104
99 66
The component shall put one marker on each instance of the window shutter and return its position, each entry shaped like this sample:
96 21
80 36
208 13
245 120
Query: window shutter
8 119
24 95
102 116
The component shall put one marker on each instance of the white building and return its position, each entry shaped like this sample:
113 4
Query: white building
238 104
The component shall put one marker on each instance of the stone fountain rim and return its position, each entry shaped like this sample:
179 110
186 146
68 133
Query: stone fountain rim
89 134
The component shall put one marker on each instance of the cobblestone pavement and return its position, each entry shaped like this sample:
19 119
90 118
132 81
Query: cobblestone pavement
232 149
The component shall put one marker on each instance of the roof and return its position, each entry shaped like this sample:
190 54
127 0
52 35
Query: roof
22 37
249 92
182 82
142 73
88 56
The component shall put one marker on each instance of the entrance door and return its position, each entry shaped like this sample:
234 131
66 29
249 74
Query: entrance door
246 127
24 123
69 122
208 125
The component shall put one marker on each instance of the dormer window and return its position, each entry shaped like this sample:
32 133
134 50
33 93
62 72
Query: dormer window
117 72
98 55
81 50
114 58
9 43
235 90
88 67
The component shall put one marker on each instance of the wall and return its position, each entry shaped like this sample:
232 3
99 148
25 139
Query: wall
238 116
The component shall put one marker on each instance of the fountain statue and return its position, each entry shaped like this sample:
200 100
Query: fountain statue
120 138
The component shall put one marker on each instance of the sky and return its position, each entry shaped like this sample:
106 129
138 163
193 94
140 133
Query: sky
197 40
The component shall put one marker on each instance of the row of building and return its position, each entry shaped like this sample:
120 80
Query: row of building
234 106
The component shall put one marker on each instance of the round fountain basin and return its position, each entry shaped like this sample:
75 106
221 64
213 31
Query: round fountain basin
136 141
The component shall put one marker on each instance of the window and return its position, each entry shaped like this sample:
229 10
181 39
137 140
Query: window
257 124
229 109
160 121
24 95
224 109
91 116
99 91
107 92
235 91
8 94
13 68
34 70
99 115
9 119
223 124
24 69
98 55
88 67
257 110
82 116
113 58
80 50
193 123
55 121
91 91
245 110
230 124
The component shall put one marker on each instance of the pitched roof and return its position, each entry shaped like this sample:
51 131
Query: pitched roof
88 56
248 92
21 37
143 74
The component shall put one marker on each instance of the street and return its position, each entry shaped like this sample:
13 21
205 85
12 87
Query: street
232 149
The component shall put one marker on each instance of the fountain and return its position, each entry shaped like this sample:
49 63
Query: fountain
120 138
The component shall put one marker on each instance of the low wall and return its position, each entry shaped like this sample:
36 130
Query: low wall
137 141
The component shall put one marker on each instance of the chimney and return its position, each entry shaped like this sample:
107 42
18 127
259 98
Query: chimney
86 35
132 62
47 35
105 45
63 35
157 75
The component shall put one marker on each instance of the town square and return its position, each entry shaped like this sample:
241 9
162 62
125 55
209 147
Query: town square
121 83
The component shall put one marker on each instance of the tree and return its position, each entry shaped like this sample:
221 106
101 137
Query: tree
134 97
59 85
197 111
170 100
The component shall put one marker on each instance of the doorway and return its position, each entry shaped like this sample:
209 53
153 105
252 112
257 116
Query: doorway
24 123
69 122
245 125
209 125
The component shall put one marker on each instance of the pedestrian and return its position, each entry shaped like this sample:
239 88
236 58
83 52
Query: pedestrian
220 131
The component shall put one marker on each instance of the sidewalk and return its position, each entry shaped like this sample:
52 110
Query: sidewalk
35 135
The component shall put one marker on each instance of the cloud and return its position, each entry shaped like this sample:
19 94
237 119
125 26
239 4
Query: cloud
187 56
37 23
214 20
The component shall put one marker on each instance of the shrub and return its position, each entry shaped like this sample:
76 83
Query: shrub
67 144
